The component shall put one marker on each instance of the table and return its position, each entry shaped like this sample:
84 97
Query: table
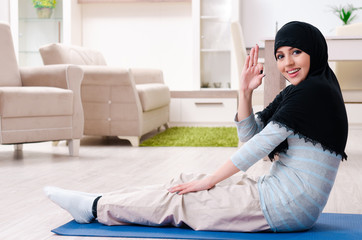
340 48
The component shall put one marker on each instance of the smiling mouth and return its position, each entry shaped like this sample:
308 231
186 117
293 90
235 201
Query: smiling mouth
293 71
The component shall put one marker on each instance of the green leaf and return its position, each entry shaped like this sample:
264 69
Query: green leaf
345 13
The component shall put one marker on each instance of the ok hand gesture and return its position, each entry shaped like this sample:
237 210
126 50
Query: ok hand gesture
252 74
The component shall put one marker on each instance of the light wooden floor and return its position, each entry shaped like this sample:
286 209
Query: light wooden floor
109 164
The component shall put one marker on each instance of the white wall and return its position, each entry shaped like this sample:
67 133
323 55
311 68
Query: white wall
4 11
150 35
159 35
259 17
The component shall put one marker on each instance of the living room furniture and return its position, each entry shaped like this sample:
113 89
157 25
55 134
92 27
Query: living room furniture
127 103
203 107
213 53
340 48
39 103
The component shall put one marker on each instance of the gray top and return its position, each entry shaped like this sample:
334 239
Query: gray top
297 188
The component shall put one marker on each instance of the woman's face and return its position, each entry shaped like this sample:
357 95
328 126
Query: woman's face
293 63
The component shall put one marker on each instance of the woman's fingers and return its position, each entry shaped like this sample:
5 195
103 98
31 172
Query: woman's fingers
192 186
251 59
256 55
253 71
247 60
175 188
179 188
183 191
260 68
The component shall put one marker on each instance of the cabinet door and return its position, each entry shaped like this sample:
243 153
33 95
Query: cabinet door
208 110
35 31
214 60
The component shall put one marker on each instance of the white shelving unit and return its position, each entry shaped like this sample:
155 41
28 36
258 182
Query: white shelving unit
30 32
214 62
214 98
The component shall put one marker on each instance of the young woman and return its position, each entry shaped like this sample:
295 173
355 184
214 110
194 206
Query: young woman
305 127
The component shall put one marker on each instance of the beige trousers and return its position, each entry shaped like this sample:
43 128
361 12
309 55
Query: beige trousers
229 206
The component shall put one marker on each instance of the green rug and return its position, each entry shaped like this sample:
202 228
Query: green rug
194 137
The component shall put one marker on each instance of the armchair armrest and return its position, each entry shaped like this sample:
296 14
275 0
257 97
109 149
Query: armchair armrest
60 76
113 88
104 83
144 76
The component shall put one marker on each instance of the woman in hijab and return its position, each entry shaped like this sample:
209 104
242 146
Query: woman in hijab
303 131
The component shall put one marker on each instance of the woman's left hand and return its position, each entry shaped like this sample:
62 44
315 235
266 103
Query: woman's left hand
252 74
193 186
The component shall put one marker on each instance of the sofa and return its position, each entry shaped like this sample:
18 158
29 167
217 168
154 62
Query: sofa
127 103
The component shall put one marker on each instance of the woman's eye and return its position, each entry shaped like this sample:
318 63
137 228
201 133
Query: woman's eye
296 52
280 56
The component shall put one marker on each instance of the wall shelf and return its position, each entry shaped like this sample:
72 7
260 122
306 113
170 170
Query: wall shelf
214 50
215 18
41 19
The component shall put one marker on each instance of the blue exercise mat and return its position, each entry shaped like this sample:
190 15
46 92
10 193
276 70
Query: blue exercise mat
330 226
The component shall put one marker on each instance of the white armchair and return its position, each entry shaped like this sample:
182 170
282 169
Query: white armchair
40 103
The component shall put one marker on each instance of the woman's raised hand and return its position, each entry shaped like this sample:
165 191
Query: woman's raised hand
252 74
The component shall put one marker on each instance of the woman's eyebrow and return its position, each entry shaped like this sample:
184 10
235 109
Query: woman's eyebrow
289 49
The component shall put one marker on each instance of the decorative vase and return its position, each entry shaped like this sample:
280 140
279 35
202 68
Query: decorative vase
44 12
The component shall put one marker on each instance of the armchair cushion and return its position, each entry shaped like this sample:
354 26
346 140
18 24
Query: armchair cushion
153 96
35 101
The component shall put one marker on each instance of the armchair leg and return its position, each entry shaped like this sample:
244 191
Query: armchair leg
164 125
135 141
18 147
73 146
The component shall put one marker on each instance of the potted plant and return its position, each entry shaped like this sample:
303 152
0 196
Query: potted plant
345 13
44 8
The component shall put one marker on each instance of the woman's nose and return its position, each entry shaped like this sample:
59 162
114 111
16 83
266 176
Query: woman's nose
289 61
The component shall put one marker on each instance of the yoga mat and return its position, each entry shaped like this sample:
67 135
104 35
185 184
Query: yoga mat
330 226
